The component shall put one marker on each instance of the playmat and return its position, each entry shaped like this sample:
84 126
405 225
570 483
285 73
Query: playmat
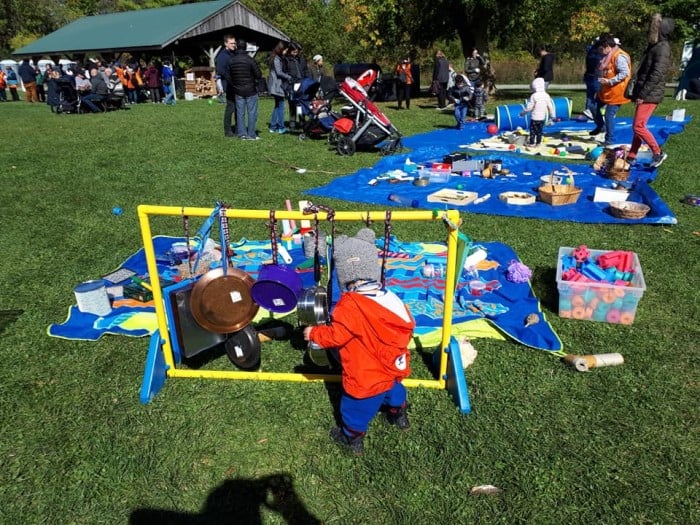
374 185
486 304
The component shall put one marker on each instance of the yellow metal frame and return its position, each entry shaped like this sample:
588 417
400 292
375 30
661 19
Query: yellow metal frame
146 211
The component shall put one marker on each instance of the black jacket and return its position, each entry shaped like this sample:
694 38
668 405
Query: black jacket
99 86
545 69
441 70
651 75
296 68
243 75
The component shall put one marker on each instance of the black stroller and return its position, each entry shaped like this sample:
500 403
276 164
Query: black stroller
313 100
68 98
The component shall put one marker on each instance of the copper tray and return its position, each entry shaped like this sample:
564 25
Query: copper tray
222 303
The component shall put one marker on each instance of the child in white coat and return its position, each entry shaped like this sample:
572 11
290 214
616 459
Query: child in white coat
539 105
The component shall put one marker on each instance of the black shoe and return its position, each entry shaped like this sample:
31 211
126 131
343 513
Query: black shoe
596 131
399 417
355 445
658 159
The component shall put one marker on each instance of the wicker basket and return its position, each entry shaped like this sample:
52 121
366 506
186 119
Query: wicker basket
559 194
629 210
619 169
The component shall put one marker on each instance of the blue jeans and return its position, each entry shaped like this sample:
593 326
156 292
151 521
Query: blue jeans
89 99
592 86
169 90
277 119
246 105
461 113
607 123
357 413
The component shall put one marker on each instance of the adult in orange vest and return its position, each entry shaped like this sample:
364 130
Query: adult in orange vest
614 72
404 80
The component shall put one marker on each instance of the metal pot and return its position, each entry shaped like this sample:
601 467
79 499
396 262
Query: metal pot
243 348
312 306
222 302
277 288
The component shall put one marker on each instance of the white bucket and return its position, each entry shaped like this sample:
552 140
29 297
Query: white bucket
189 96
678 115
92 298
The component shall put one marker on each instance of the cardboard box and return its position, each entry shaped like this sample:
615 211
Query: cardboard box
599 301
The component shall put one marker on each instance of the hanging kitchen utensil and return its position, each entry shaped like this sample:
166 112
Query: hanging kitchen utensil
243 348
277 287
317 354
221 299
312 307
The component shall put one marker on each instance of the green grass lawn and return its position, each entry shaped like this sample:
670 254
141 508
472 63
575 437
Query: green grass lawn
615 445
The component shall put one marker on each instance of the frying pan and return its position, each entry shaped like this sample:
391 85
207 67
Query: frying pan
243 348
222 302
221 299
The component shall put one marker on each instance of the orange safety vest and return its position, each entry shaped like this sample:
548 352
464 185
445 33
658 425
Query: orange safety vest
3 84
615 94
406 70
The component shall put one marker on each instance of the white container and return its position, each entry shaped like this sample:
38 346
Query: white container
678 115
609 195
92 298
189 96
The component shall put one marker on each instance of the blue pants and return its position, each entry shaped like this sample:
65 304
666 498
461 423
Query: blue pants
89 99
277 119
247 105
608 123
461 113
357 413
592 86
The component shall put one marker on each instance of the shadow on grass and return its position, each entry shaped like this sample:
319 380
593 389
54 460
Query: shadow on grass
545 286
237 501
7 317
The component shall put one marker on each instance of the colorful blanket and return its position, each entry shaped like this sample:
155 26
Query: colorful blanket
485 304
372 185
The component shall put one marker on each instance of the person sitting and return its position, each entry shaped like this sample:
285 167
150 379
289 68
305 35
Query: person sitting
117 96
82 84
98 94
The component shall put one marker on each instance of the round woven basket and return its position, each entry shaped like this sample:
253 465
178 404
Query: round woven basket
629 210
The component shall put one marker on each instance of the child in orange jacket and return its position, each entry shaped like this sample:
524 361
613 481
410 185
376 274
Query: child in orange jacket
371 327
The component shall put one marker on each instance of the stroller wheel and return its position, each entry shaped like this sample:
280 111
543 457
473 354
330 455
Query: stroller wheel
345 146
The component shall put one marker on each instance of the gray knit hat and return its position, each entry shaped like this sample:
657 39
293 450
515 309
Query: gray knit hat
356 257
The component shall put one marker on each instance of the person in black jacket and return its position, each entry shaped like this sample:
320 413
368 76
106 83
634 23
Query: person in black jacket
441 76
545 69
649 88
295 66
222 60
242 85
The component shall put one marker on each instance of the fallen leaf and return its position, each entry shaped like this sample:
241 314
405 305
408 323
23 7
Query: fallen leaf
261 441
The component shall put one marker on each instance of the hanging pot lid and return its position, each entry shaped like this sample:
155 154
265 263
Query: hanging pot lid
243 348
221 301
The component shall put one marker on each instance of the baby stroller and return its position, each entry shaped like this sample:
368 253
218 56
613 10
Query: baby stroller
68 98
363 124
314 111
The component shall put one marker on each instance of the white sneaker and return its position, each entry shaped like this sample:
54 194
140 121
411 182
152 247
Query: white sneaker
587 113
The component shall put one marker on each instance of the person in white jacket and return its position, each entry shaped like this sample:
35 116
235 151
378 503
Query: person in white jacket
539 105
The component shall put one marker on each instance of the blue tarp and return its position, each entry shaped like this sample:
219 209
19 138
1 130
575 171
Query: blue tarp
525 173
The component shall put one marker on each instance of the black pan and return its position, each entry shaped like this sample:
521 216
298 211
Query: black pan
243 348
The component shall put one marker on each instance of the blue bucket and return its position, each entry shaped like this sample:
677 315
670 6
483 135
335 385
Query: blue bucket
508 117
562 106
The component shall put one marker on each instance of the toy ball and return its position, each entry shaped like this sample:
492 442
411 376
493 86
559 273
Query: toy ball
211 102
492 129
596 152
562 153
459 186
117 211
512 146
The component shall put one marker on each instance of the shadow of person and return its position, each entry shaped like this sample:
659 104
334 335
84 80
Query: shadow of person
237 501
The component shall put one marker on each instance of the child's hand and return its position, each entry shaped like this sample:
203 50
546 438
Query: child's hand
307 333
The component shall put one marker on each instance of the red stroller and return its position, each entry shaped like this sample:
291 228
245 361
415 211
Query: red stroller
364 125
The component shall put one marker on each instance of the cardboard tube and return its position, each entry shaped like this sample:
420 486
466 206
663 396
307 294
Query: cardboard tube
583 363
608 360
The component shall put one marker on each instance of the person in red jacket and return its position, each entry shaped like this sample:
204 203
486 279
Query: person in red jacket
371 328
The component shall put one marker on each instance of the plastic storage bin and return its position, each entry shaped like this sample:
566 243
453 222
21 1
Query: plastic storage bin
599 301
